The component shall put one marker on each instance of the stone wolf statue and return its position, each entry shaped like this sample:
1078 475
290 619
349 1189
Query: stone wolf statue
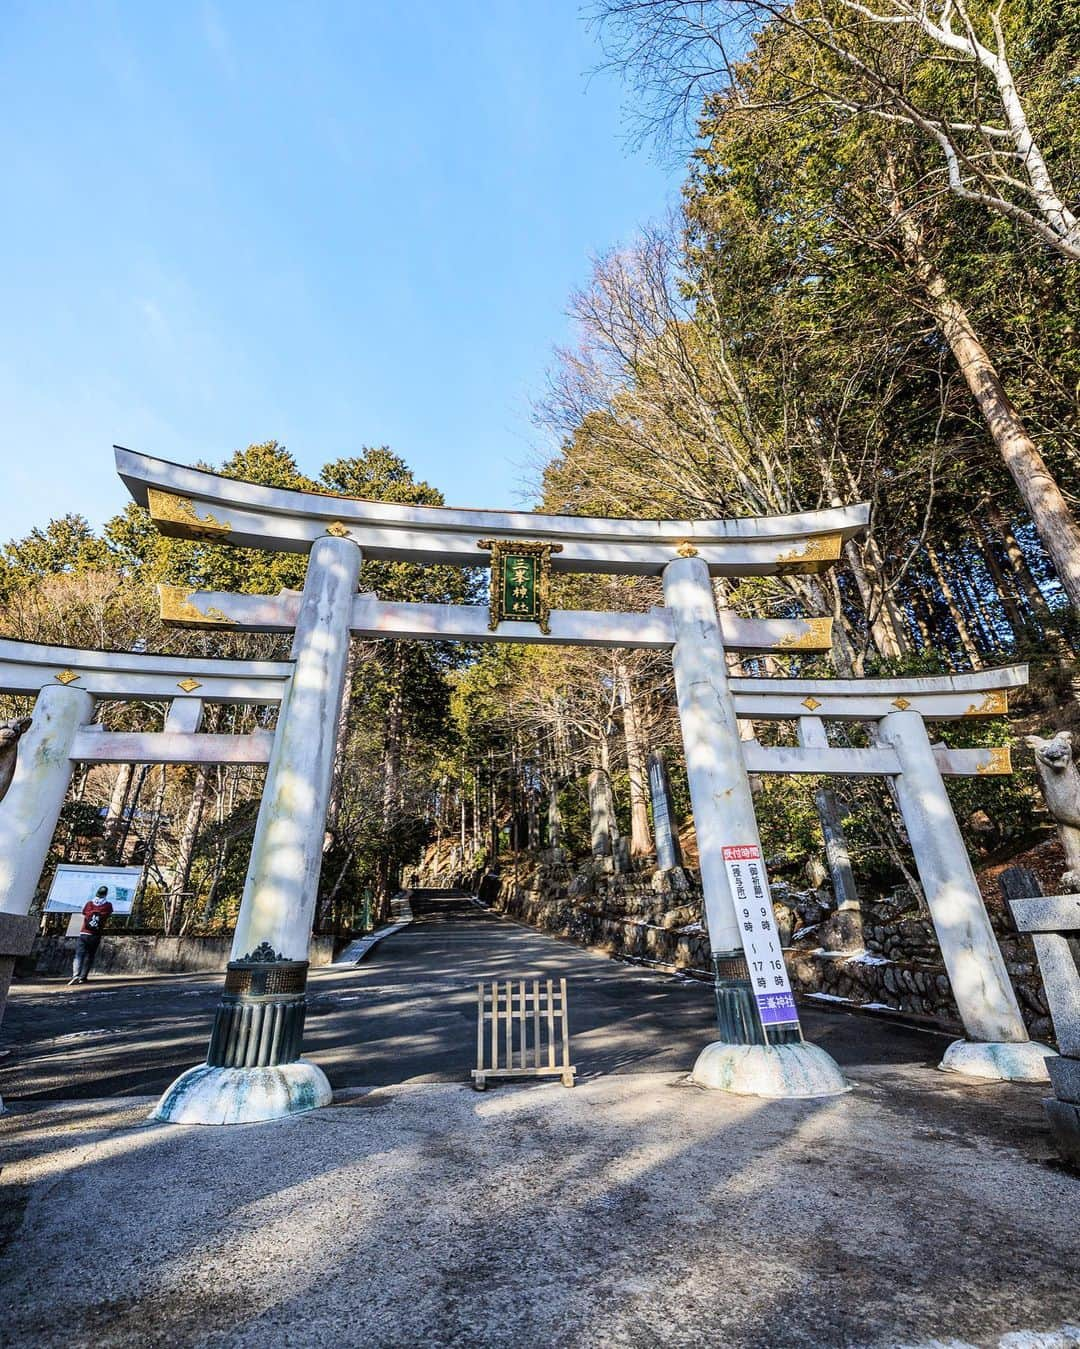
10 732
1060 783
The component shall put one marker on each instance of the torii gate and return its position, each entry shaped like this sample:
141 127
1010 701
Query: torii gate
68 684
253 1069
761 1049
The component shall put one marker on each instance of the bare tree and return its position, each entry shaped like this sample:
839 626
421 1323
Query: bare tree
679 52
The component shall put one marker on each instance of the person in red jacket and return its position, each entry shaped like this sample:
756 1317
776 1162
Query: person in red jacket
96 913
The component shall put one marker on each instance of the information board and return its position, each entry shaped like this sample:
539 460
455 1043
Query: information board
760 939
74 885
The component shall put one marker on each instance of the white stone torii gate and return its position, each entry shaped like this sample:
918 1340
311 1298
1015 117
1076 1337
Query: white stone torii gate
67 685
761 1047
253 1068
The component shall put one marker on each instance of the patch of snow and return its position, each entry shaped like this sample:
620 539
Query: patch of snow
1041 1339
879 1007
805 931
870 958
828 997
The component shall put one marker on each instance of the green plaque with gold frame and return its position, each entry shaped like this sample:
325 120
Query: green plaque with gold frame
519 581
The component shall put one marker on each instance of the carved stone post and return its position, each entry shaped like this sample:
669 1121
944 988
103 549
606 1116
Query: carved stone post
554 816
253 1069
601 813
997 1044
754 1056
668 851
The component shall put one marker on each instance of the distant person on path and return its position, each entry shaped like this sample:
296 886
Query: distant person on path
96 913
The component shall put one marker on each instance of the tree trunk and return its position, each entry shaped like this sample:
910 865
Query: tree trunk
955 613
114 816
1018 563
1005 586
185 853
333 810
877 615
391 788
1045 503
966 583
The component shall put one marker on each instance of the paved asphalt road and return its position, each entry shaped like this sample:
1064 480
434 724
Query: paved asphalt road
407 1014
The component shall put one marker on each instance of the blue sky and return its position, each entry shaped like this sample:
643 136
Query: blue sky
330 224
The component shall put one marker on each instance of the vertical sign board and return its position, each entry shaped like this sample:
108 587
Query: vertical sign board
761 943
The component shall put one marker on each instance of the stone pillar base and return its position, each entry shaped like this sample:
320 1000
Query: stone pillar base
1000 1061
792 1071
211 1095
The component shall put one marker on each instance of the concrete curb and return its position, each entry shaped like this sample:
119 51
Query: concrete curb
355 952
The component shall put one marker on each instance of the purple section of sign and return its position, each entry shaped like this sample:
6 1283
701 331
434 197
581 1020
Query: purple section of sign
776 1008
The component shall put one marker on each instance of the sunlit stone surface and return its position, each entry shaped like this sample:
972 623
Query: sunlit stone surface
1002 1062
788 1071
206 1095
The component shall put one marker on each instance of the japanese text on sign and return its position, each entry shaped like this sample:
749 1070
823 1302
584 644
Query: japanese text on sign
520 598
761 942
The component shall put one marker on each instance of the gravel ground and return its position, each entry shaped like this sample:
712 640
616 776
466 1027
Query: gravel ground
632 1210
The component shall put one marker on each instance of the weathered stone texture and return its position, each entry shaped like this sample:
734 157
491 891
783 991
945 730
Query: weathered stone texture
138 954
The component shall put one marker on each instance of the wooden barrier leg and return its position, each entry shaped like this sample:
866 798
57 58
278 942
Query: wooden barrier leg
568 1072
536 1023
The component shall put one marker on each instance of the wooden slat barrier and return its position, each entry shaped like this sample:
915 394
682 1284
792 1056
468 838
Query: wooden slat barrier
511 1018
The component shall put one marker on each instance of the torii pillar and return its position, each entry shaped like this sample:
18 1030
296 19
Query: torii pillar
997 1045
253 1069
761 1050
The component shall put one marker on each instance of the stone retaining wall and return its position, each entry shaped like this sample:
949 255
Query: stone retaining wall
900 970
120 953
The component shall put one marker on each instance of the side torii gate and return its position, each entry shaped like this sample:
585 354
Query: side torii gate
761 1047
67 685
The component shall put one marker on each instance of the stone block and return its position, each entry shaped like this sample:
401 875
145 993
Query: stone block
1055 913
1065 1076
1064 1119
17 933
1061 979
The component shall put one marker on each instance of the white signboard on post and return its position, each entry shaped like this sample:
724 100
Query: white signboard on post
74 885
761 942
